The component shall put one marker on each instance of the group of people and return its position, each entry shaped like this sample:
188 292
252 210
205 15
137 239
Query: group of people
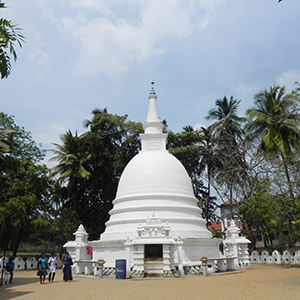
49 266
44 267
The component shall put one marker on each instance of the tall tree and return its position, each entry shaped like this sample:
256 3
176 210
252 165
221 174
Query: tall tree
274 123
25 185
227 135
9 36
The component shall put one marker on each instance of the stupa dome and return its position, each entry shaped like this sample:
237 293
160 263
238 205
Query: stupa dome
154 172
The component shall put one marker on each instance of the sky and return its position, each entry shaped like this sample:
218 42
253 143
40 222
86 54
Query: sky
82 55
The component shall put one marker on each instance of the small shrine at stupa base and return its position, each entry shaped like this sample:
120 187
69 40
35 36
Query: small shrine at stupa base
156 227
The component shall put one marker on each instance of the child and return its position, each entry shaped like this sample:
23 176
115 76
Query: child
6 277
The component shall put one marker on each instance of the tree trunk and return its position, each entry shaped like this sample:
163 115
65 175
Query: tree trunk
286 171
208 195
291 202
2 229
16 243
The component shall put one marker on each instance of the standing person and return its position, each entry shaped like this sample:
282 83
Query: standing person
52 265
9 267
42 268
67 263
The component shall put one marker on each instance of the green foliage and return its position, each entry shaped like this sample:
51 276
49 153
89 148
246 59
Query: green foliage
185 146
10 36
274 126
71 159
261 211
274 122
227 124
20 142
25 185
266 214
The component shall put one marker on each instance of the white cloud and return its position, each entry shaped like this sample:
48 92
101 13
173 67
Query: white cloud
112 39
288 79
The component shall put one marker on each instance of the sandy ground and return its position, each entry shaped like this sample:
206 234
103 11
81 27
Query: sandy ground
259 282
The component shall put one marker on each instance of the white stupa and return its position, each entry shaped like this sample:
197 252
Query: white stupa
155 224
155 183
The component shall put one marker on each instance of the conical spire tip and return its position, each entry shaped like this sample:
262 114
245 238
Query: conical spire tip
152 92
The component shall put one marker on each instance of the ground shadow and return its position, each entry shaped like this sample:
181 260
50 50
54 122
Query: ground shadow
10 294
9 291
21 281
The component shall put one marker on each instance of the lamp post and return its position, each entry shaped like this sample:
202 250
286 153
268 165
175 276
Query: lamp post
204 265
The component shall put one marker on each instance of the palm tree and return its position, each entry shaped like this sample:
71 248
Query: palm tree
188 128
275 123
227 134
226 121
9 35
71 160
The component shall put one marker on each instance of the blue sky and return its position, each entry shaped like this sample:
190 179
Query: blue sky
81 55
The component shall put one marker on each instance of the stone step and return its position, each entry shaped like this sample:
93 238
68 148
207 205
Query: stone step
154 268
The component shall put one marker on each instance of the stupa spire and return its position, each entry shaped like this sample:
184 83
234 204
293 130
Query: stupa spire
153 123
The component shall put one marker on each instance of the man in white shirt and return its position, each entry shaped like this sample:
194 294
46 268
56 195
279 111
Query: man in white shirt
51 265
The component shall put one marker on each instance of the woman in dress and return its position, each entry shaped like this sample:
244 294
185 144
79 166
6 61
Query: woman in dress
42 268
67 263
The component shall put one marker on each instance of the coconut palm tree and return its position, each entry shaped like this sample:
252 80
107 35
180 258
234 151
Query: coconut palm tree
188 128
227 133
71 160
274 122
226 122
9 36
